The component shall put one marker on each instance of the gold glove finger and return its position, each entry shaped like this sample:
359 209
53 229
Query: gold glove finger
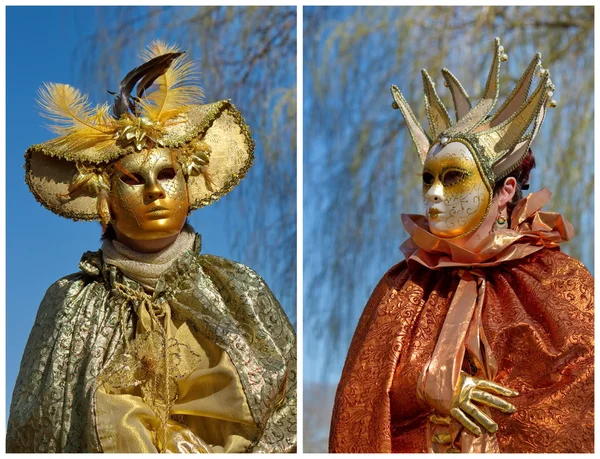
496 388
465 421
479 416
442 439
441 420
491 400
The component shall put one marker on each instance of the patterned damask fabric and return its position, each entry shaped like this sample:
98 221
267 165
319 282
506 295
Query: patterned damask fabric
83 323
538 318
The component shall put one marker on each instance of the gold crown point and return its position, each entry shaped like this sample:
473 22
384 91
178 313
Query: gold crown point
497 149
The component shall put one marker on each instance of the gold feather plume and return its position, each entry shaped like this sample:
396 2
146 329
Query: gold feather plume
74 119
72 113
177 89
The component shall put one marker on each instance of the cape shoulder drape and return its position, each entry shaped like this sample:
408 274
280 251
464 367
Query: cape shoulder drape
240 394
537 320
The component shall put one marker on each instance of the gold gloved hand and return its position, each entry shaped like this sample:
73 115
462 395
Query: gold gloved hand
443 438
471 389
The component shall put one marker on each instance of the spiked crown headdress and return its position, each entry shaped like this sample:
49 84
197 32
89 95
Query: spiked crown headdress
70 174
498 141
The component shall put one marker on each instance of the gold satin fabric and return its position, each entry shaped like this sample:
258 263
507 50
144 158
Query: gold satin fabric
534 316
231 369
210 402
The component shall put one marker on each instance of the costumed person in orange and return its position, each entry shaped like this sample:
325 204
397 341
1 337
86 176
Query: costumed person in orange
481 340
152 346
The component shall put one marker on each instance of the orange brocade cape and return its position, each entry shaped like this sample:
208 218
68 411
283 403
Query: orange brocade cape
517 307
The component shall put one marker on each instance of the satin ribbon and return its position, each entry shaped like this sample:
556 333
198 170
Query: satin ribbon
462 331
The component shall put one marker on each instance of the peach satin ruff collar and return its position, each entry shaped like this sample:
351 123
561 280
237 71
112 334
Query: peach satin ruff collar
462 331
530 230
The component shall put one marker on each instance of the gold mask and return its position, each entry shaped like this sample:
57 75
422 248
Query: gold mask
456 197
149 198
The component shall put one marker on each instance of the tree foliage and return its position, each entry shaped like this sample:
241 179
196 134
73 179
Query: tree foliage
247 54
361 169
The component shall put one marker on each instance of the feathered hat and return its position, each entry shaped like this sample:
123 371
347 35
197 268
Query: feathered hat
498 141
70 174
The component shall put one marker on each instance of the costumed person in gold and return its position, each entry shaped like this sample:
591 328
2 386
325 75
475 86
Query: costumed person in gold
151 347
482 339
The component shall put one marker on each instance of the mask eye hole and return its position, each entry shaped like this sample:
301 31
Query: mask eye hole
133 179
428 178
166 174
452 177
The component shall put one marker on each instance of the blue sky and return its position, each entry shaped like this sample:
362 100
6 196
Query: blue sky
331 176
43 247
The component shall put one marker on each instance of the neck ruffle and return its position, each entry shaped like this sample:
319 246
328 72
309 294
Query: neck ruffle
530 230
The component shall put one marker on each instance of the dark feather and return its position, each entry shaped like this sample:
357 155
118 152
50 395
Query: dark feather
152 75
148 73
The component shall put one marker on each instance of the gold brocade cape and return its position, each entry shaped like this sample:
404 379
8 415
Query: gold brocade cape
237 332
517 311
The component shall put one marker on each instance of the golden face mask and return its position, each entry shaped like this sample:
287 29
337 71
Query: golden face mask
149 198
456 197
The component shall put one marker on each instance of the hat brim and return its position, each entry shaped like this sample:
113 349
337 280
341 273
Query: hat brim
219 124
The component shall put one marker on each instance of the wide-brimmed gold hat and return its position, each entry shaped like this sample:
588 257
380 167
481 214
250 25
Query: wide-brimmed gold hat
70 174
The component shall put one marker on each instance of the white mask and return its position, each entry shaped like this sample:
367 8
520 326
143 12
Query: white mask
456 197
